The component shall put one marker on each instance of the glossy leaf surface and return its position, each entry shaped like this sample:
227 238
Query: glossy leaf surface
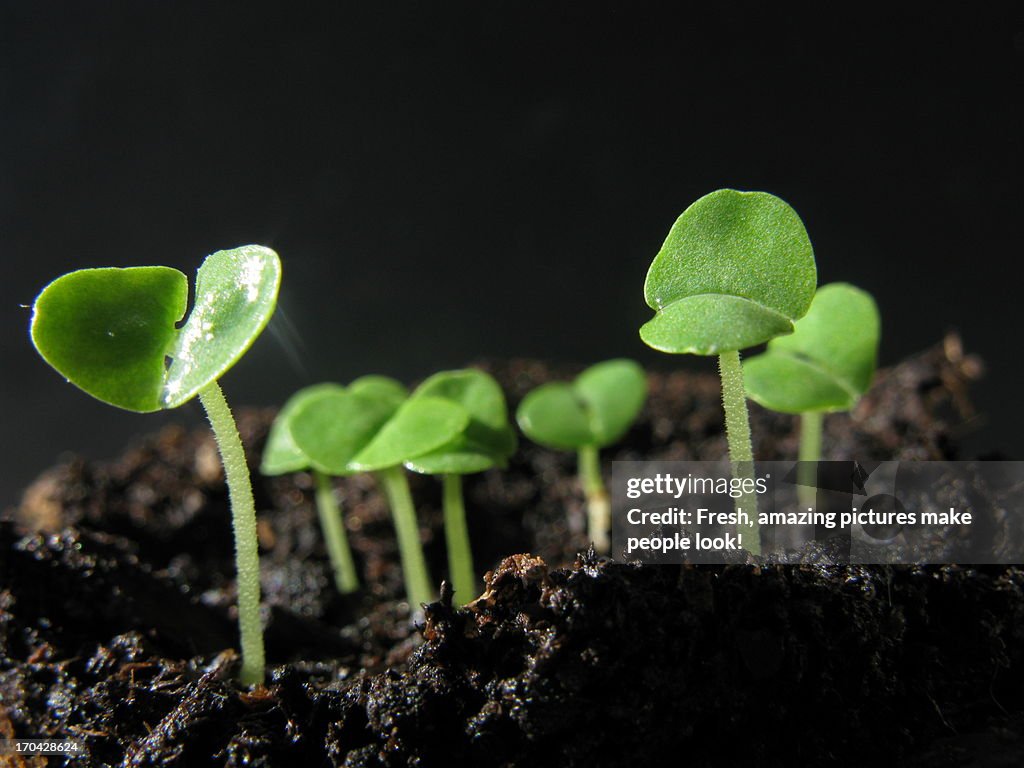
110 331
236 292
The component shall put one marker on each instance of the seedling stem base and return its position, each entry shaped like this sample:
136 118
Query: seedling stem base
599 510
460 556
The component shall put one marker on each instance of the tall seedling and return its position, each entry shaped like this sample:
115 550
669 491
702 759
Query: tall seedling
113 333
736 270
487 441
587 414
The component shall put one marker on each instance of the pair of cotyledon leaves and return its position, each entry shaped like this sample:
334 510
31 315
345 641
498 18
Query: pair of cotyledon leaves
736 270
455 422
112 331
596 409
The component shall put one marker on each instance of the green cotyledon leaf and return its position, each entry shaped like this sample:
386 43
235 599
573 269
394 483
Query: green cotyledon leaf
111 331
554 415
236 293
419 426
380 388
487 440
108 331
736 270
594 410
614 392
333 425
281 455
829 360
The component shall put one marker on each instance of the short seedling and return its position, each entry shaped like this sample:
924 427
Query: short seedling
487 441
371 426
736 270
111 332
824 366
586 415
282 456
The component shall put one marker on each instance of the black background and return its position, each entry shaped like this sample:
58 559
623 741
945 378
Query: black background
449 181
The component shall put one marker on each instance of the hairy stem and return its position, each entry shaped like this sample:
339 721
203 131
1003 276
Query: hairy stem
599 510
414 567
243 518
345 577
460 556
810 454
741 452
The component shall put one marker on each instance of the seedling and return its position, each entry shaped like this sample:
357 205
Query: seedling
824 366
282 456
736 270
487 441
586 415
372 427
111 332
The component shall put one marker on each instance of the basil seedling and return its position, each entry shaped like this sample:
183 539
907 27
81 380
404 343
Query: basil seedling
824 366
111 331
736 270
282 456
372 427
487 441
586 415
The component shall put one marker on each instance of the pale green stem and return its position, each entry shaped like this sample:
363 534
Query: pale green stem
345 577
737 433
810 454
414 567
460 556
243 518
599 510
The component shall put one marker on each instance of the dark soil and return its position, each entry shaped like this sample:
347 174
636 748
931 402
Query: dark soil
116 625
